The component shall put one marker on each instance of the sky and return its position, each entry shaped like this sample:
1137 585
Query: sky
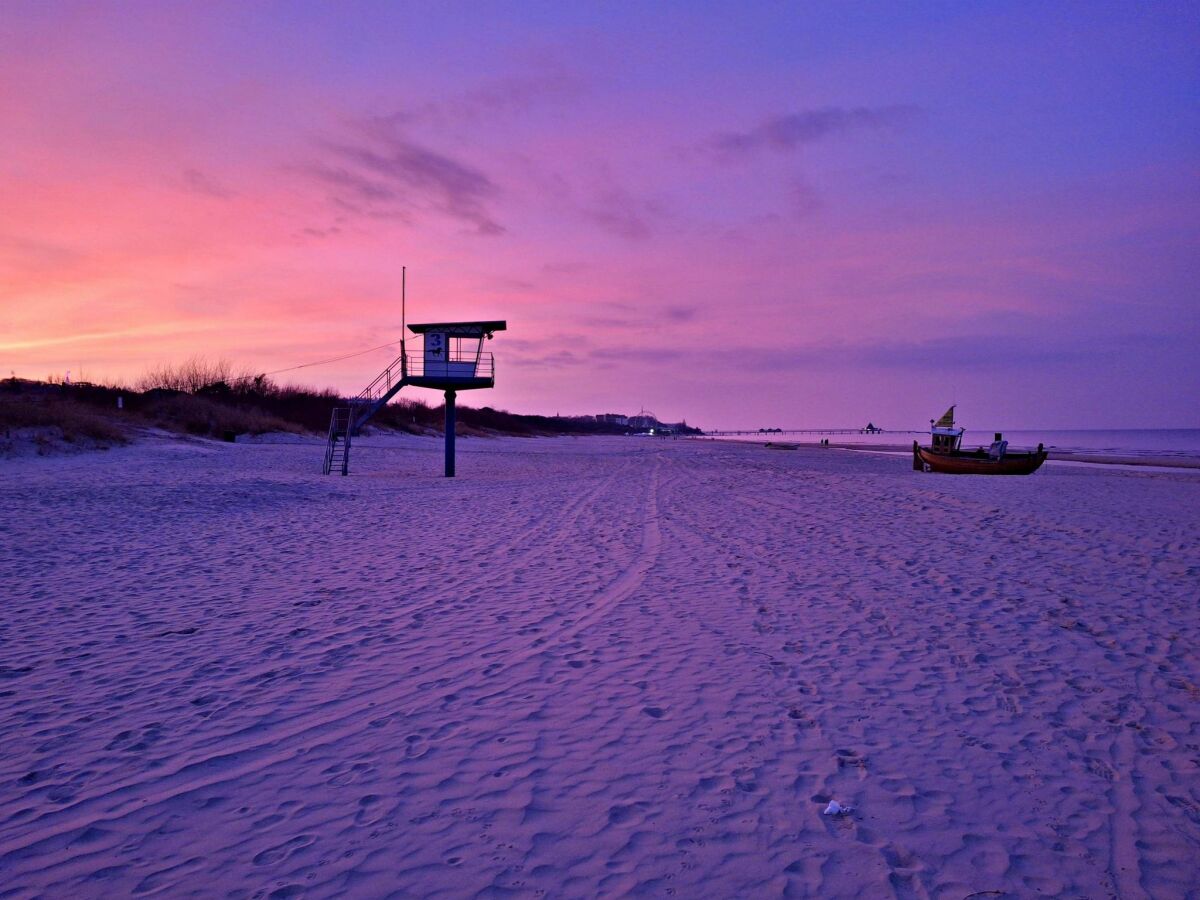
740 215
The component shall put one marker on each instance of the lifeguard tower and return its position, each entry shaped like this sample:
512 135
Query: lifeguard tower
451 359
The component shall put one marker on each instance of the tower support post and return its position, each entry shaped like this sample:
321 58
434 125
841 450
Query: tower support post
450 433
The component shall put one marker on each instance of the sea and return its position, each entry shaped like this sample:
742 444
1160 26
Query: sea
1164 443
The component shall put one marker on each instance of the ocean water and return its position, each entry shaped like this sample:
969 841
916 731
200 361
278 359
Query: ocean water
1182 443
1171 443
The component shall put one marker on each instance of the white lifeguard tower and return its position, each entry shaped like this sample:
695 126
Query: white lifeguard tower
451 359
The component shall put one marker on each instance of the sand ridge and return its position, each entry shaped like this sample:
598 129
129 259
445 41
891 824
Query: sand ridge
593 667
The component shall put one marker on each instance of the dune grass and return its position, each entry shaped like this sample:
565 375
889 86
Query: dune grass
212 399
206 417
59 417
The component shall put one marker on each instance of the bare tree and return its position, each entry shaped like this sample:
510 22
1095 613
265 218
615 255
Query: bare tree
190 376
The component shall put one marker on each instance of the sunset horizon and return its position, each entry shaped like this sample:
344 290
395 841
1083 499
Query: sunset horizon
558 451
810 217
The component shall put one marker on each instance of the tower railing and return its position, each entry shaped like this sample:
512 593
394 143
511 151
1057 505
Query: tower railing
456 364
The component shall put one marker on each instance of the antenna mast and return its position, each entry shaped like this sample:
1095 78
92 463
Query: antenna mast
403 318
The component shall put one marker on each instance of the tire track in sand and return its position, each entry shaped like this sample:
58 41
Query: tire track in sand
335 721
635 575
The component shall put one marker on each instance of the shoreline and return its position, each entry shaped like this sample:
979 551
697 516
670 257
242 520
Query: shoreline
1084 457
21 446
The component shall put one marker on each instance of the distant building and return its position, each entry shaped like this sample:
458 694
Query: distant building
644 421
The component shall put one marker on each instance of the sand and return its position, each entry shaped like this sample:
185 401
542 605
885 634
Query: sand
1149 460
590 667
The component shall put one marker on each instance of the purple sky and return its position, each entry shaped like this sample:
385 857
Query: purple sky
739 214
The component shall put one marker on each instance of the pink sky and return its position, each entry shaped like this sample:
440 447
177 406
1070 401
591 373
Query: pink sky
743 216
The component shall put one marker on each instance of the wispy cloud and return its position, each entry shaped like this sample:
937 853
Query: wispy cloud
805 200
549 84
979 352
31 255
619 212
199 182
680 313
380 172
155 330
785 133
647 317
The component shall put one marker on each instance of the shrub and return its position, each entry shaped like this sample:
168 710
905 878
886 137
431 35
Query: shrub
73 420
194 375
205 417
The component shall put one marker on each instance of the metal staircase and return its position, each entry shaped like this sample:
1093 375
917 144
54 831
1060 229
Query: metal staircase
438 367
347 420
337 451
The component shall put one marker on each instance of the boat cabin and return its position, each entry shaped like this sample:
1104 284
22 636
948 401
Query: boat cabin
945 440
945 437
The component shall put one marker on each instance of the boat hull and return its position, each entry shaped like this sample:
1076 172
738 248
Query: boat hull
960 463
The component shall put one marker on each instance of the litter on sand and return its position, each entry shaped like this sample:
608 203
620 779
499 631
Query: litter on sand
836 809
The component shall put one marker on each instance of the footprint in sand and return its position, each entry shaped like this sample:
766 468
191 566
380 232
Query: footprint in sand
369 811
802 721
345 776
847 757
280 852
267 821
621 813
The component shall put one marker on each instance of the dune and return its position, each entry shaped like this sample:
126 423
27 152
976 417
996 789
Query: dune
592 667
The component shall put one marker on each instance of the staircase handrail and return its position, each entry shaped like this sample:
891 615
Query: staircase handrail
384 381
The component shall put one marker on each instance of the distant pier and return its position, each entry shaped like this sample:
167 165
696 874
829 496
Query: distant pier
764 431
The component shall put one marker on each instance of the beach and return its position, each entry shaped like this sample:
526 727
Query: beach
594 667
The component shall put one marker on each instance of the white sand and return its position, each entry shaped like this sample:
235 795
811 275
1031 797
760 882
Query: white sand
593 667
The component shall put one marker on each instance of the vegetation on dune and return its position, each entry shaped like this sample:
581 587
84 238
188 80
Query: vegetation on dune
212 399
211 418
58 417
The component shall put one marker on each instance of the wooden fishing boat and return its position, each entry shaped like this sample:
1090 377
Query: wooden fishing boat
961 462
945 454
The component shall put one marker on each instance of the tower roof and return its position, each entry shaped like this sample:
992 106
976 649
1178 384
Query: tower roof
461 329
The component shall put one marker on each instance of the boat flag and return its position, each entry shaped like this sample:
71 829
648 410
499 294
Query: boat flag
947 420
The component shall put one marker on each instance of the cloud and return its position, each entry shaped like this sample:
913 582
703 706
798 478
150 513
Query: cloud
565 268
620 212
380 172
550 83
638 354
200 183
787 132
980 352
558 359
805 200
646 316
680 313
30 255
331 231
